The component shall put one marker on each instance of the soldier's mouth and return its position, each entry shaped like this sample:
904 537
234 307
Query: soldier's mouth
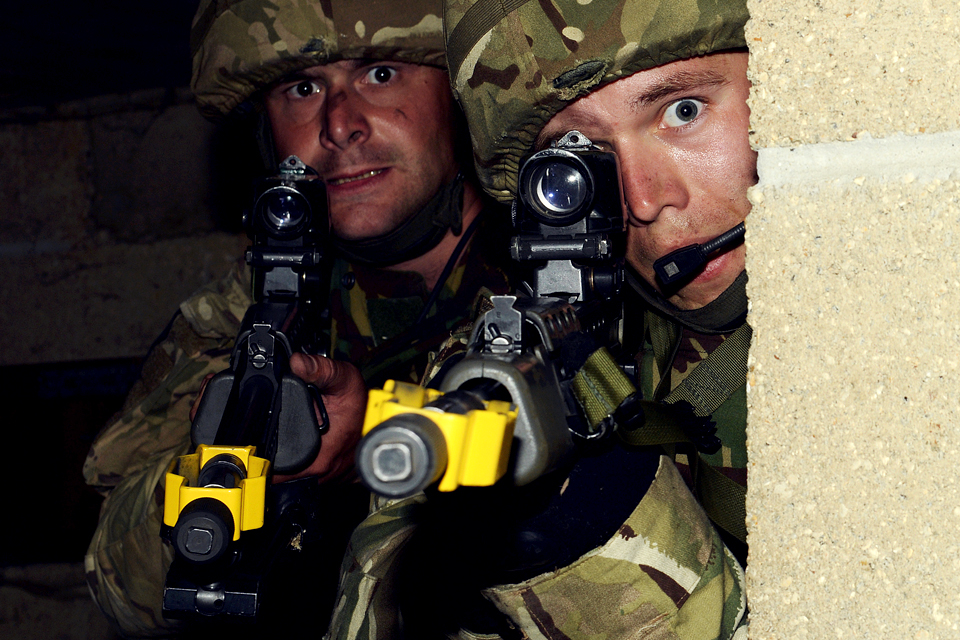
363 176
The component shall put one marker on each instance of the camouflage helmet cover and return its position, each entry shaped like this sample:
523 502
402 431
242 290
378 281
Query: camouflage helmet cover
242 46
514 64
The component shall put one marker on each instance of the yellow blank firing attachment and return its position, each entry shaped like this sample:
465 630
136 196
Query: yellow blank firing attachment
409 444
231 476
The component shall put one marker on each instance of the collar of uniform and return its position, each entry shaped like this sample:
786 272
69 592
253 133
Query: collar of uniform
386 301
389 302
727 312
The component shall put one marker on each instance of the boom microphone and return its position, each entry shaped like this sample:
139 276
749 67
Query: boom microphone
684 262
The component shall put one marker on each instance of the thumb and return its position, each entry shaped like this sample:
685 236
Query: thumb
327 375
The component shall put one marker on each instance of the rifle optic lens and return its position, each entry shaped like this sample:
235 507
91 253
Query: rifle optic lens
556 189
283 210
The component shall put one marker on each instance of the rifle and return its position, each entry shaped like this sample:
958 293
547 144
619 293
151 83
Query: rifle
225 520
510 405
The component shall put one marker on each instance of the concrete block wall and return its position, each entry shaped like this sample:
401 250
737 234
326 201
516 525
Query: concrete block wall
107 222
854 382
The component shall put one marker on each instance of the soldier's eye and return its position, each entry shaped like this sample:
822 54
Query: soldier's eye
682 112
381 75
304 88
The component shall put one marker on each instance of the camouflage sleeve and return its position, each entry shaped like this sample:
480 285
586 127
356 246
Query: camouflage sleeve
367 606
126 561
155 417
665 574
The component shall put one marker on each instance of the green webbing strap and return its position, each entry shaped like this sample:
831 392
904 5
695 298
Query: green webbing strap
665 337
476 23
724 500
601 386
706 388
715 379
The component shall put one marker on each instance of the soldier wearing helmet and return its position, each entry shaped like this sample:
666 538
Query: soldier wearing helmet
359 92
618 546
664 86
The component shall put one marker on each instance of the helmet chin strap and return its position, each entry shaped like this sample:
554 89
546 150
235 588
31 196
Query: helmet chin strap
724 314
415 236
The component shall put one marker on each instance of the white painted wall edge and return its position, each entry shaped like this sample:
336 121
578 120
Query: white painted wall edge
927 157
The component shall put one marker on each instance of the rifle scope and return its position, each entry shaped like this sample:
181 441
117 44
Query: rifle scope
284 204
568 182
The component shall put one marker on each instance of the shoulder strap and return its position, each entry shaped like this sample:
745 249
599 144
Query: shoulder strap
603 390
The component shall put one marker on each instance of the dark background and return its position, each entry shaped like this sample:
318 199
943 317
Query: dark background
53 53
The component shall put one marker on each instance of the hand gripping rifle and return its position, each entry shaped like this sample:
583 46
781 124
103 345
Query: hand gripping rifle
225 520
510 404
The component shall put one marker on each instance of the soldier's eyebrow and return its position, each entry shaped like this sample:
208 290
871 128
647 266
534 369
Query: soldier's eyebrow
678 83
305 74
296 76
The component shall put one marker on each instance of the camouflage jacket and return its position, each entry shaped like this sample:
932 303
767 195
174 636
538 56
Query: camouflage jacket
664 574
664 364
371 310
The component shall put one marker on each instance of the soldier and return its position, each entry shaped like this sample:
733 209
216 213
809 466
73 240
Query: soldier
638 80
615 545
358 91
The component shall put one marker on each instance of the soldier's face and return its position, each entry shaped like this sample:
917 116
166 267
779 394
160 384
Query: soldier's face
380 134
681 133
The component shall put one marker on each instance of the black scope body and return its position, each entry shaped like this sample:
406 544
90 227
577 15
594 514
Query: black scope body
289 208
571 187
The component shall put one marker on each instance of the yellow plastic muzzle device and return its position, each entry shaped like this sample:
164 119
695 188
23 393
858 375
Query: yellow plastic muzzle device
415 436
211 496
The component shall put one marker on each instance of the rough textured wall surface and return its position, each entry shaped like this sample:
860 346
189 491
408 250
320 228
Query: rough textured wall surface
853 243
107 222
826 70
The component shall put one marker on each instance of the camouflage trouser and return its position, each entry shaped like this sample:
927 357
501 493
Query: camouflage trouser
665 574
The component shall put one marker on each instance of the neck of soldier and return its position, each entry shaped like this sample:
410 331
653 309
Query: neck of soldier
430 265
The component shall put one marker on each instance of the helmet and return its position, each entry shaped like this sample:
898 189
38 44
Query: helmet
514 64
242 46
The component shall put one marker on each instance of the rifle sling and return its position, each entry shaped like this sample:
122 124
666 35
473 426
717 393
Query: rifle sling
601 387
715 379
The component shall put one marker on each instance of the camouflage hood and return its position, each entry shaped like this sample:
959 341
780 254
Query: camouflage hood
514 64
242 46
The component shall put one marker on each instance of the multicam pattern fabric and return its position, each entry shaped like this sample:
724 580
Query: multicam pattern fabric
126 562
241 46
514 64
730 417
665 574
